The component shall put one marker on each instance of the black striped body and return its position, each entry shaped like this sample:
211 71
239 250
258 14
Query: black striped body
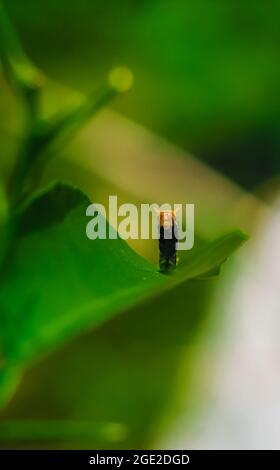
167 248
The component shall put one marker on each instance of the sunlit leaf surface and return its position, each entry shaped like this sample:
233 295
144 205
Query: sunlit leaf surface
59 282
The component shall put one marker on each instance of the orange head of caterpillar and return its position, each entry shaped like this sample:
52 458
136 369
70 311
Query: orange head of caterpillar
167 218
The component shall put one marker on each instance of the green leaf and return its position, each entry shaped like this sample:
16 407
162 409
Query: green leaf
60 283
212 273
206 261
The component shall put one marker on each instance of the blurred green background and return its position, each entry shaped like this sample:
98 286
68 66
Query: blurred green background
206 79
207 73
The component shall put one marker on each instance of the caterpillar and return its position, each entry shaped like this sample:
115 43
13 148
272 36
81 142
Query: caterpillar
168 237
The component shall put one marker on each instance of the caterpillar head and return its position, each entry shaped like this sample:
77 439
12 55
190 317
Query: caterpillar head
167 218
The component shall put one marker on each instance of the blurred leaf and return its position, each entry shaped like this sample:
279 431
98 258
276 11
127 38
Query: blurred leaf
63 125
60 283
3 203
48 207
47 136
212 273
207 260
4 227
59 430
19 68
